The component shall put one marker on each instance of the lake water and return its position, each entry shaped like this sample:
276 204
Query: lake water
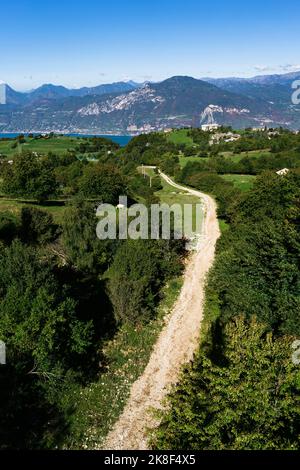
119 139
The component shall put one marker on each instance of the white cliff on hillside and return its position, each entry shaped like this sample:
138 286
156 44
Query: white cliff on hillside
122 102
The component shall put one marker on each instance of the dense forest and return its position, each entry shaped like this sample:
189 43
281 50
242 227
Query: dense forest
65 295
64 292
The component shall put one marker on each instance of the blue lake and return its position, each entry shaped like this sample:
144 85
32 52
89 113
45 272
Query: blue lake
119 139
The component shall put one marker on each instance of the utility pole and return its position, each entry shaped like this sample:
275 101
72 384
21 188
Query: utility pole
145 175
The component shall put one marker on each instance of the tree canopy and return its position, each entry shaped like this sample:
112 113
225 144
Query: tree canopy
247 399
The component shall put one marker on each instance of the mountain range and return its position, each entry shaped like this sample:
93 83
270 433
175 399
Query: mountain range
129 107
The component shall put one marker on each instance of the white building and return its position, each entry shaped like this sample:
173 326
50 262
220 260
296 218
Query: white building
258 129
132 128
283 172
224 137
210 127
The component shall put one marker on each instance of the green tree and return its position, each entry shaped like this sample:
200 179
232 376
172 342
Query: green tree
69 176
9 227
49 348
102 181
245 397
136 275
84 250
37 320
257 268
30 177
37 226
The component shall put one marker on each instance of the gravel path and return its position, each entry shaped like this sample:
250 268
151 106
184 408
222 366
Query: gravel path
176 344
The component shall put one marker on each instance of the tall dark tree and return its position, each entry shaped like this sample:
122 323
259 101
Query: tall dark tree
31 177
103 182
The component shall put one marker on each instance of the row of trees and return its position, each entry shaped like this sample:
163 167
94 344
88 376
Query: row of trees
43 178
246 165
277 140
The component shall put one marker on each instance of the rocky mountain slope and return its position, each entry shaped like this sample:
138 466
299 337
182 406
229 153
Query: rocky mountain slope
52 92
175 102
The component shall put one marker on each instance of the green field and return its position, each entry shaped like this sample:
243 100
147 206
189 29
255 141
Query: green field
56 208
170 195
58 145
224 226
242 182
252 154
183 161
180 137
150 172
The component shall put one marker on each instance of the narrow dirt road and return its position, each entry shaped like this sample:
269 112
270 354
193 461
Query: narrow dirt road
177 341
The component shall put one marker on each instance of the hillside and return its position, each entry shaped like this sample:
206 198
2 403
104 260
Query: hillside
129 108
97 335
53 92
274 89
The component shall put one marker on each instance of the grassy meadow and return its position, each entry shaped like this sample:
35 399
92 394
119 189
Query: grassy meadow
242 182
180 136
59 145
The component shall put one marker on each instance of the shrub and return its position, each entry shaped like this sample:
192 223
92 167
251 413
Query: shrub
245 397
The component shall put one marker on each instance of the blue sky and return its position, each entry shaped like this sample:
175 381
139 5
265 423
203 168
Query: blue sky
91 42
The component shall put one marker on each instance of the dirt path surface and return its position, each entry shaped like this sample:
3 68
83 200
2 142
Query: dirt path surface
177 341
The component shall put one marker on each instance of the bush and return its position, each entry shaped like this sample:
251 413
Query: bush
245 397
9 227
257 268
224 191
102 181
37 226
139 270
30 177
83 249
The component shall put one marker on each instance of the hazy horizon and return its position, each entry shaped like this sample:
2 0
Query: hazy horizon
2 82
95 43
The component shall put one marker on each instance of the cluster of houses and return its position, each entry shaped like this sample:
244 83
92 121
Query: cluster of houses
210 127
145 129
224 137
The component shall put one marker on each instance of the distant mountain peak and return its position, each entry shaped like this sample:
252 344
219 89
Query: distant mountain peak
178 101
50 85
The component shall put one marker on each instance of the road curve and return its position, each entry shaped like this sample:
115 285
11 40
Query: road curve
176 343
